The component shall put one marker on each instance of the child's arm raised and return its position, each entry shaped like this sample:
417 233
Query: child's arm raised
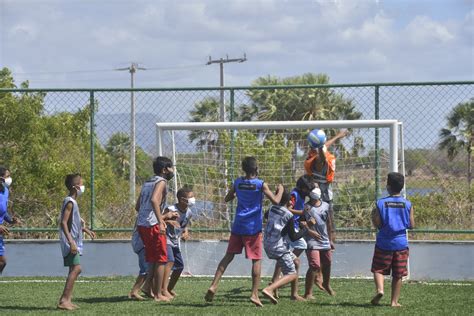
156 199
230 195
343 133
275 199
64 225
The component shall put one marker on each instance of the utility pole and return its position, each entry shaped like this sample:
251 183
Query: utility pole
221 63
132 69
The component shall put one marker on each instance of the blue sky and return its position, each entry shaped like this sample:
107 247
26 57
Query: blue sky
351 41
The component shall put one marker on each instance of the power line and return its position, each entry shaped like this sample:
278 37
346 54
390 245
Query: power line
100 70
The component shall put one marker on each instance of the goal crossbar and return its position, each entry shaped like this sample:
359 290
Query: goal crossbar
279 125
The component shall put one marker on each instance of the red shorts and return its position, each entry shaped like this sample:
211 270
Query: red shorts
155 244
252 243
316 258
385 261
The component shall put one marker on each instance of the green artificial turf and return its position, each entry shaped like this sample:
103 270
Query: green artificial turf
108 296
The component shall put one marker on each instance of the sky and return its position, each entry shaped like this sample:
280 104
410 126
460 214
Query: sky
59 44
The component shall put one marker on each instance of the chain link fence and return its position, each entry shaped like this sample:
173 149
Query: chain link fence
49 133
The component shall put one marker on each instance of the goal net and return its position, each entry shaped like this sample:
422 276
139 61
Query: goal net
208 156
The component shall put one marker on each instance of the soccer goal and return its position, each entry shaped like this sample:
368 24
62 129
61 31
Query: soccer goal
208 158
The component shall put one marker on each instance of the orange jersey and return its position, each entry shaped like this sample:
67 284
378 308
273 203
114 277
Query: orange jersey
329 168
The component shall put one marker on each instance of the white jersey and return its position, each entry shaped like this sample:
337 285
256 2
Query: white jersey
146 214
274 243
173 234
74 225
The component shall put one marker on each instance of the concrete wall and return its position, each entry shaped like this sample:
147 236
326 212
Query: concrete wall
428 260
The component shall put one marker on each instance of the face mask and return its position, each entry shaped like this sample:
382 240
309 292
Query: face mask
169 176
81 190
315 194
8 181
191 202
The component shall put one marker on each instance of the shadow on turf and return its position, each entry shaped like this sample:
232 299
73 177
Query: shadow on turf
27 308
110 299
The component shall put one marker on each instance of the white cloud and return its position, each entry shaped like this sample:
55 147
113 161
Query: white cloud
423 30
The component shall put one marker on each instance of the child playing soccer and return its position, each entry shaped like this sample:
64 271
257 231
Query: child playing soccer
70 237
279 230
392 216
5 182
247 227
175 230
296 206
319 252
151 224
139 249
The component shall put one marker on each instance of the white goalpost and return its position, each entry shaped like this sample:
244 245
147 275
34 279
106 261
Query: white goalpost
207 157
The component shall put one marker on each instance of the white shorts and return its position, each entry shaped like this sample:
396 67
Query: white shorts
299 244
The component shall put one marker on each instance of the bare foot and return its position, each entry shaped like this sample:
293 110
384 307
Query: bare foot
148 293
172 293
268 294
309 297
396 305
319 285
66 306
75 306
210 295
376 299
328 289
135 296
168 295
162 298
276 294
256 301
298 298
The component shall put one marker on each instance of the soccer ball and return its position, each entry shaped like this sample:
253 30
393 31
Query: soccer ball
316 138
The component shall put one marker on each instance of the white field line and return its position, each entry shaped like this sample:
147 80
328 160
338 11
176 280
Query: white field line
202 278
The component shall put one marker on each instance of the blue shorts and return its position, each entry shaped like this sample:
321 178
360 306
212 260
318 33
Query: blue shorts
2 246
142 263
174 255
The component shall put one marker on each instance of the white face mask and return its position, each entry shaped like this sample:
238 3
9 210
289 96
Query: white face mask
315 194
8 181
191 202
81 190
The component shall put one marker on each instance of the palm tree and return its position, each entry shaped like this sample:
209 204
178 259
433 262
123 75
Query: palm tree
300 104
206 110
459 134
118 147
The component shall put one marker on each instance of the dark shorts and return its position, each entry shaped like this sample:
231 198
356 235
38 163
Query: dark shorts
72 260
252 243
155 244
385 261
174 255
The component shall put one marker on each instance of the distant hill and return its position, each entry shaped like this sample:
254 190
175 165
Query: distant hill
109 124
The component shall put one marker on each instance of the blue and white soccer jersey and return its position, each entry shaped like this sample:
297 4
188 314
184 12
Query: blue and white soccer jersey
277 246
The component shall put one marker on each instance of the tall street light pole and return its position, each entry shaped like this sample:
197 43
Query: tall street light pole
132 69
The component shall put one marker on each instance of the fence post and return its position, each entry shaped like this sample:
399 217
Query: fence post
92 132
377 144
232 148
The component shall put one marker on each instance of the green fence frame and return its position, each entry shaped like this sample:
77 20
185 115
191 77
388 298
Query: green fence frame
376 86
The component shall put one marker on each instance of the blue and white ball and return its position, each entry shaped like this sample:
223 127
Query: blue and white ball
316 138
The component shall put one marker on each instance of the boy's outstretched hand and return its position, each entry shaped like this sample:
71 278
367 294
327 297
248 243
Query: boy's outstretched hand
4 230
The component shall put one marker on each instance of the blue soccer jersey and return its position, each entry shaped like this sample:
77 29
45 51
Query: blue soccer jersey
248 215
297 199
4 216
395 217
